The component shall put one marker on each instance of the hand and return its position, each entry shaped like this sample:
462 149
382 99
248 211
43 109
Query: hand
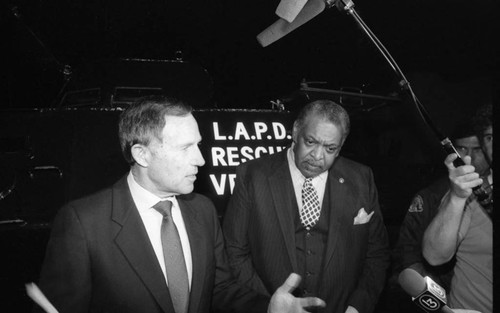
462 178
283 301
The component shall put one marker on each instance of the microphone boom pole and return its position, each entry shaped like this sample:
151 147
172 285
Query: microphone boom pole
348 6
294 13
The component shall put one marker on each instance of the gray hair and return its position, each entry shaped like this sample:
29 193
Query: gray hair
144 121
328 109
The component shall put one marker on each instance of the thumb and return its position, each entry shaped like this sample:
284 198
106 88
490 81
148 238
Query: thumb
449 161
291 283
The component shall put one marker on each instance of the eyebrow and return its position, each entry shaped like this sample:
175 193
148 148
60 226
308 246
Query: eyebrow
311 137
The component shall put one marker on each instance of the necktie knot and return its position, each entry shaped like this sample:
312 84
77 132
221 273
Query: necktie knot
164 207
308 183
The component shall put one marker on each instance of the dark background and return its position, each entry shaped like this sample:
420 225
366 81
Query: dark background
445 48
450 39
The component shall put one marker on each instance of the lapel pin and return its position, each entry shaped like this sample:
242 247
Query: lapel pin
341 180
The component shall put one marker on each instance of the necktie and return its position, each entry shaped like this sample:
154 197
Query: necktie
175 265
309 215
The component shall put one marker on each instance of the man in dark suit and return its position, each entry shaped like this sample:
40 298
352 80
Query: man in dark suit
148 243
310 211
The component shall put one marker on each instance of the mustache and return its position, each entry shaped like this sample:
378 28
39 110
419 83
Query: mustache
312 162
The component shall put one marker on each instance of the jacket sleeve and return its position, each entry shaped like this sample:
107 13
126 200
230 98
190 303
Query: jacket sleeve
236 222
65 275
408 249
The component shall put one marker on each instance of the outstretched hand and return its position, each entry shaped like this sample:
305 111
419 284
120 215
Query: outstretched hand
462 178
283 301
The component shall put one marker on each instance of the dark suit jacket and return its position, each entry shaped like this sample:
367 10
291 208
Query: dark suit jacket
260 240
99 259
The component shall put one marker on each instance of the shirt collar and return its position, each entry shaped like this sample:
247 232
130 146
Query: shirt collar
143 198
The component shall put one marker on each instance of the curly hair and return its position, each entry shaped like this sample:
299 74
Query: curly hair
332 111
482 119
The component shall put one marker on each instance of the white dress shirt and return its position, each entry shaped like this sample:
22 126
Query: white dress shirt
152 219
319 182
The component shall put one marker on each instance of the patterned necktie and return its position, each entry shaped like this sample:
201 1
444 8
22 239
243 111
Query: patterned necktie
175 265
309 215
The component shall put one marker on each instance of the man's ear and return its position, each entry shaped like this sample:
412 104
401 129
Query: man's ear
295 132
141 154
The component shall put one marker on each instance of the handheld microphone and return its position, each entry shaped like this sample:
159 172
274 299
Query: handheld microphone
425 293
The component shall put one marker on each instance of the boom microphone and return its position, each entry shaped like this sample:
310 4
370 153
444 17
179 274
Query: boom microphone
282 27
289 9
425 293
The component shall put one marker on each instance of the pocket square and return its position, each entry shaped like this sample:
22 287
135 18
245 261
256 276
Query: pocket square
362 217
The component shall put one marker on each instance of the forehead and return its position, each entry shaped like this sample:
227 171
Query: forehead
322 129
468 142
180 129
488 131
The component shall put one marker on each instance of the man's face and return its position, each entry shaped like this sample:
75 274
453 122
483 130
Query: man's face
173 163
317 144
487 144
470 146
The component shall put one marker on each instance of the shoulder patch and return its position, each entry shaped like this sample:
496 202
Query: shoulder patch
417 205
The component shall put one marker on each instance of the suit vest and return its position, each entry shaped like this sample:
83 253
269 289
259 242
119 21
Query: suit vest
311 248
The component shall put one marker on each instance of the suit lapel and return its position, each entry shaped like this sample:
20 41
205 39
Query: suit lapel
283 194
198 253
132 239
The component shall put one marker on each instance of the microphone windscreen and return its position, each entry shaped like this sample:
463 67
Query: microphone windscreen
411 282
289 9
425 293
281 27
